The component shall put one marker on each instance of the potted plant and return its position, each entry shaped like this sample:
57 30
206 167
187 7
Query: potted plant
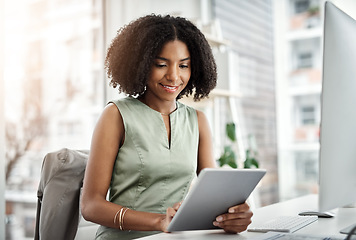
228 157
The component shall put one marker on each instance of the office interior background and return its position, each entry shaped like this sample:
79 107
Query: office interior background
53 86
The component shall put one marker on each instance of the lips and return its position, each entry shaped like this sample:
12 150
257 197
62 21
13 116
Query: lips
170 89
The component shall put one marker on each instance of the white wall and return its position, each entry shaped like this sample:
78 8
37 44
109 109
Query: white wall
2 126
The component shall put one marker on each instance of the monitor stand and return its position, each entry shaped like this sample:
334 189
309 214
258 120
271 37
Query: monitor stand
316 213
352 205
348 229
352 227
324 214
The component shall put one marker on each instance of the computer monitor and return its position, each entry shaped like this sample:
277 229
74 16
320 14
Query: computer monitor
337 166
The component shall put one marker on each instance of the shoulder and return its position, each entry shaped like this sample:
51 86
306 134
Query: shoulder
110 114
122 101
126 105
110 124
116 109
202 119
187 108
199 115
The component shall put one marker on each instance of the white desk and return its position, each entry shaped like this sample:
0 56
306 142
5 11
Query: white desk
326 226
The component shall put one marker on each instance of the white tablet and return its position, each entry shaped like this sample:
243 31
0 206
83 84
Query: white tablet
213 193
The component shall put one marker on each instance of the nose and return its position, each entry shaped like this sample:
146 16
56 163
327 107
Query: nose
172 74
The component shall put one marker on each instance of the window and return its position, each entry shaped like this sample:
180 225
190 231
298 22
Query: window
307 115
306 165
305 60
301 6
53 90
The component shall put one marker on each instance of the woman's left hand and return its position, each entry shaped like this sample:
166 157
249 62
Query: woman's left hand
236 220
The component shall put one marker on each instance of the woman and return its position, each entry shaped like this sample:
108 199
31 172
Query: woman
148 147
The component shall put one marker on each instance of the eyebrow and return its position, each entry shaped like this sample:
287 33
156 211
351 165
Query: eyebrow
165 59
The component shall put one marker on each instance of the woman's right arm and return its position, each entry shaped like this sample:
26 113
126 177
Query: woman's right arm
107 137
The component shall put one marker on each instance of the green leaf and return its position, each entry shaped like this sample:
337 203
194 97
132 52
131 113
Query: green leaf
233 164
249 162
221 161
228 157
231 131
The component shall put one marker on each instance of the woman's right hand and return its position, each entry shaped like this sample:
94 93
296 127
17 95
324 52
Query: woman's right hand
170 213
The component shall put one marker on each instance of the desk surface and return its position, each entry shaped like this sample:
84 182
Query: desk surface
326 226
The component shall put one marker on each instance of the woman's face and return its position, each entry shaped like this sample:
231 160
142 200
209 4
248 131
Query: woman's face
170 71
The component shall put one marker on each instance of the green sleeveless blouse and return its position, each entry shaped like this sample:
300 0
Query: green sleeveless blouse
150 174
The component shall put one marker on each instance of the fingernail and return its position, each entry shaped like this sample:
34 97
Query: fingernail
219 219
215 223
231 210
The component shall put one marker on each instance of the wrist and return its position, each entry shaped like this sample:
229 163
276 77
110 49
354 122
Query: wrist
158 223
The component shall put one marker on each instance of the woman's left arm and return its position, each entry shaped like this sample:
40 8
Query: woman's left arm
205 147
238 217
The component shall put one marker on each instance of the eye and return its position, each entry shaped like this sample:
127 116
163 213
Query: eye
160 65
184 66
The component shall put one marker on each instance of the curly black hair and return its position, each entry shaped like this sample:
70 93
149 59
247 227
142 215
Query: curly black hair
136 45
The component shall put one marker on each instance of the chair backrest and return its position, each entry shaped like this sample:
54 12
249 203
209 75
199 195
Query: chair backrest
58 194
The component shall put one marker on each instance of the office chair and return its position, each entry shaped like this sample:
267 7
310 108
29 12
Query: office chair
58 194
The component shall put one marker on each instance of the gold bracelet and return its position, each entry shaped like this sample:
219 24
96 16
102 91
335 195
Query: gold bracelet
122 220
115 217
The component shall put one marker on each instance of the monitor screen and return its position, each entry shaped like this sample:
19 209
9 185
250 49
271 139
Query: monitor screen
337 169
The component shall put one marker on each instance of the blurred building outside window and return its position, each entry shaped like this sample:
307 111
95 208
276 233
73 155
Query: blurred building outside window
307 115
305 60
299 37
54 92
298 115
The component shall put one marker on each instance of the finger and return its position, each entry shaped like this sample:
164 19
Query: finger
176 206
237 225
170 213
234 229
239 208
231 228
234 226
231 216
236 222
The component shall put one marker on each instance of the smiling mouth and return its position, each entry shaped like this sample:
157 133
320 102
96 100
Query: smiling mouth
170 88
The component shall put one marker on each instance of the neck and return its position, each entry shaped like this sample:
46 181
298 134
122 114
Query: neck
164 107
